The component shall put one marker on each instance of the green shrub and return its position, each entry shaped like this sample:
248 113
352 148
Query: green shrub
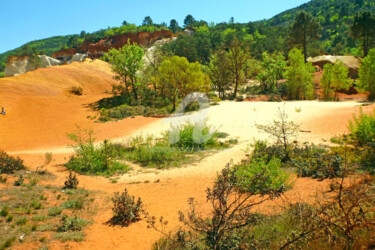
54 211
8 243
363 128
185 136
274 178
21 221
71 181
19 181
36 205
71 224
125 209
4 211
91 159
317 162
9 164
156 155
74 204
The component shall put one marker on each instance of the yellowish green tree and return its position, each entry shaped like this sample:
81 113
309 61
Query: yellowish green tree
178 78
367 74
299 75
126 62
335 77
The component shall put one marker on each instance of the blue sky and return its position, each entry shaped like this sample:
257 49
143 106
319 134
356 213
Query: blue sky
26 20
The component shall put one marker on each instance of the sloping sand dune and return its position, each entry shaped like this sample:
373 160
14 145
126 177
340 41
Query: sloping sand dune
40 109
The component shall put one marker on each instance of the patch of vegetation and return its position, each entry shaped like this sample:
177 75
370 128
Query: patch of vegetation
89 159
71 181
10 164
125 111
70 236
28 212
126 209
76 90
167 151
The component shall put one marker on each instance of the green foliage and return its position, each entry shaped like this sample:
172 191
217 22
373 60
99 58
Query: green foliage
220 75
273 67
71 236
8 243
71 224
362 128
10 164
299 75
273 178
124 111
335 77
4 211
189 140
180 78
304 29
363 29
54 211
89 159
125 64
367 74
19 181
125 209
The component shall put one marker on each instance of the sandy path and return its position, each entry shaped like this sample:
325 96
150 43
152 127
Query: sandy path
167 191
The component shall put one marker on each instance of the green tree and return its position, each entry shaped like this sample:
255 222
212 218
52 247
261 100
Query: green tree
367 74
124 23
188 21
363 28
219 72
238 57
304 29
180 78
147 21
299 75
173 25
335 77
126 61
273 67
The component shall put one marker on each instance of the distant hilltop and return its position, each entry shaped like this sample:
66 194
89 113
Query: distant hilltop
17 65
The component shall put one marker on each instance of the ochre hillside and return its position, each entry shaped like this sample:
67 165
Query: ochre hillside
41 110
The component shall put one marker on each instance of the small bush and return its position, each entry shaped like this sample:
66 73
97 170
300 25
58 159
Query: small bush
21 221
76 90
8 243
125 209
91 159
273 177
71 181
4 211
19 182
74 204
363 128
184 136
239 98
36 205
71 224
9 164
54 211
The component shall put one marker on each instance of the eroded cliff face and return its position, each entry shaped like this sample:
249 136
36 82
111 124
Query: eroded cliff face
95 50
17 65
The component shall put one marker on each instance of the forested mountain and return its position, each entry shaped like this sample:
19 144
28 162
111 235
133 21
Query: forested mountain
335 17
